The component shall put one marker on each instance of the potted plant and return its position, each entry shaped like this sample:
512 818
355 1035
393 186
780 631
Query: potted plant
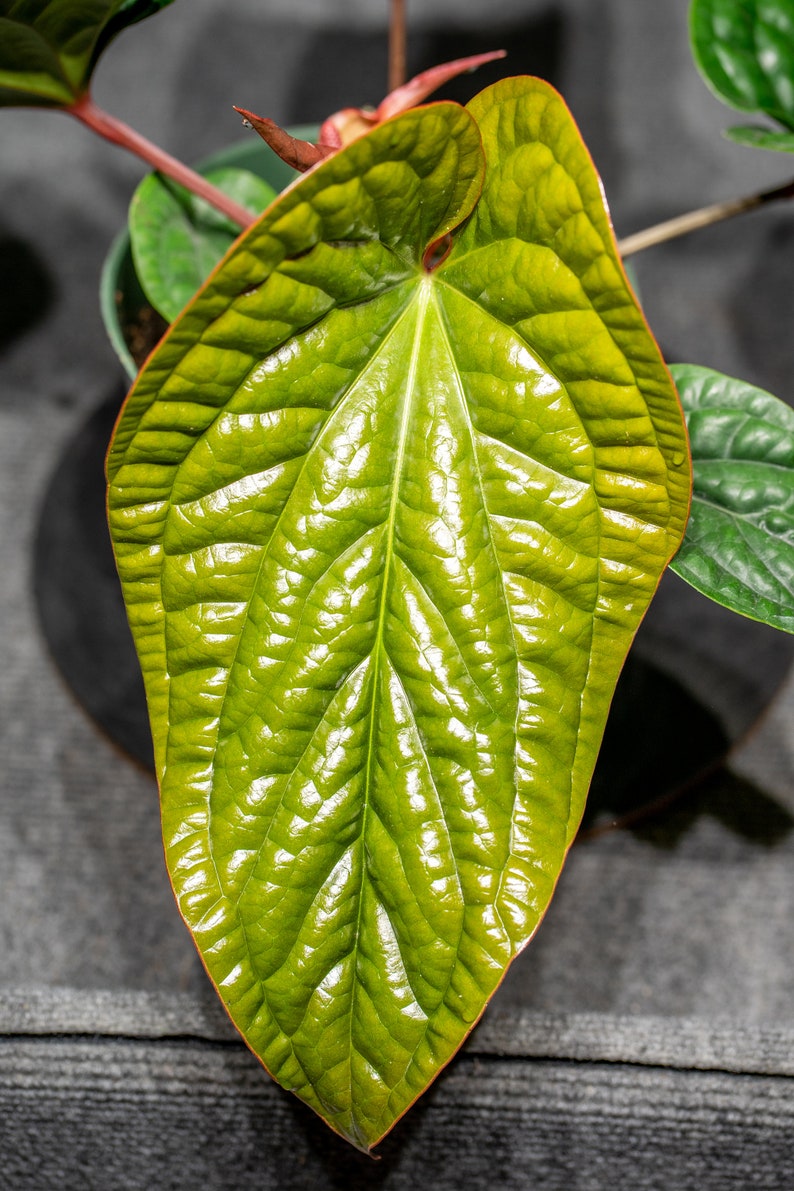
133 435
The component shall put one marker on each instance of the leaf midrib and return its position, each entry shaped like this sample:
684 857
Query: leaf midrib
516 652
725 510
265 553
223 891
378 650
732 585
721 461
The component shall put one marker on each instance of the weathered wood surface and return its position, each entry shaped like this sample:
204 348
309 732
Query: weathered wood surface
141 1091
720 1045
179 1116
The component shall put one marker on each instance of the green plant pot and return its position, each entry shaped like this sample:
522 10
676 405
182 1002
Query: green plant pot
120 295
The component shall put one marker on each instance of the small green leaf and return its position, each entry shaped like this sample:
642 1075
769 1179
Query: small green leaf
745 50
761 138
49 48
739 543
385 533
177 239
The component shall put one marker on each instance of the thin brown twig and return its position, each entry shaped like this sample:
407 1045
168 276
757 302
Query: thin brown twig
682 225
397 45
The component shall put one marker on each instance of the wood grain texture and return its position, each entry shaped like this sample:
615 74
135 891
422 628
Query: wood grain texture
698 1044
143 1091
105 1113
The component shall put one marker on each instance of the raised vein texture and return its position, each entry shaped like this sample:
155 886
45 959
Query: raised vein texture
739 543
385 536
592 523
745 49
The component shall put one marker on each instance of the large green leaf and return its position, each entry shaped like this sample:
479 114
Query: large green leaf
177 238
385 533
48 48
739 543
745 49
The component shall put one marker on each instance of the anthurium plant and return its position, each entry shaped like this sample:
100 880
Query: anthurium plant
388 502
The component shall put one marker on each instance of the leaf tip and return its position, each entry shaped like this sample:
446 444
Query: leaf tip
300 155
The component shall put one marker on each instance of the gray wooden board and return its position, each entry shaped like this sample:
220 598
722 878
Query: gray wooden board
721 1045
103 1090
130 1113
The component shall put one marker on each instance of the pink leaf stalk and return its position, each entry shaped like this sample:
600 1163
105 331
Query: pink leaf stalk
350 123
424 84
118 133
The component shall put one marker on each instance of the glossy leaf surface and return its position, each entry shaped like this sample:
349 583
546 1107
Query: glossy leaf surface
385 534
177 238
745 50
49 48
739 543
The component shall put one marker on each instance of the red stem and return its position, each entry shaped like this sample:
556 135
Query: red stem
118 133
397 40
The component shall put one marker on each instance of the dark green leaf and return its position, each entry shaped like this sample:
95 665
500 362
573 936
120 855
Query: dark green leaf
48 48
385 534
177 239
130 13
745 50
762 138
739 543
